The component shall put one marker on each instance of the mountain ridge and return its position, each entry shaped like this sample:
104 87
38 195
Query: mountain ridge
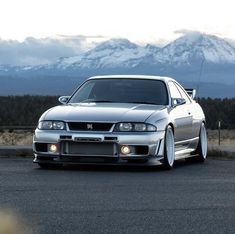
207 47
193 57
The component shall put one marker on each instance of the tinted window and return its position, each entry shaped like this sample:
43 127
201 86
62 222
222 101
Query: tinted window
174 91
183 94
123 91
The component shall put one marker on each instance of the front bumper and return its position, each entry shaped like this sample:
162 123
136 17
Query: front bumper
74 147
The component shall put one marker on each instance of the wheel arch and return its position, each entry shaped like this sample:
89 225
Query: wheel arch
172 126
203 122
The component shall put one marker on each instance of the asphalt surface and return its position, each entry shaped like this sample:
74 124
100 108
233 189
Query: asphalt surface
191 198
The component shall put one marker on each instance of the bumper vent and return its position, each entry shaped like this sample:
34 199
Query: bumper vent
88 149
80 126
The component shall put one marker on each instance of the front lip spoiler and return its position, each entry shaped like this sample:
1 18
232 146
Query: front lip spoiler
145 161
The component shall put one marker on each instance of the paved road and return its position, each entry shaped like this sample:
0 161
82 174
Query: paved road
192 198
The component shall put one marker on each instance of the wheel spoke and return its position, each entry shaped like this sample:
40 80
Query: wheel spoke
203 138
170 147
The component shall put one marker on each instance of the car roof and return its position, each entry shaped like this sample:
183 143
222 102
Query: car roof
163 78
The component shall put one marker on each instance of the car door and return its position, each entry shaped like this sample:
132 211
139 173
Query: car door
181 117
192 112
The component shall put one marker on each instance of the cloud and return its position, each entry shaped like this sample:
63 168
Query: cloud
188 32
34 51
191 35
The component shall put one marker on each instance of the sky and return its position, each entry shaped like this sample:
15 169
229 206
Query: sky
41 31
140 21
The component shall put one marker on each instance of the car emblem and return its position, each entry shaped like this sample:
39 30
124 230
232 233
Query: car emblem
89 126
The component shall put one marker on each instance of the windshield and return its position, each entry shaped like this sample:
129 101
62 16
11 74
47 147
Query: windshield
144 91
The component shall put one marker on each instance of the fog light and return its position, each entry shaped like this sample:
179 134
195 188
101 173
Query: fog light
53 148
125 149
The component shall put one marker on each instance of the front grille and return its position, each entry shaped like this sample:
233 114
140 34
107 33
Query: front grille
81 126
88 149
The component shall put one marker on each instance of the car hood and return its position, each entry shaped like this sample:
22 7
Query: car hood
102 112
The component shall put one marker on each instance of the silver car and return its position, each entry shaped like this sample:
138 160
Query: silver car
122 119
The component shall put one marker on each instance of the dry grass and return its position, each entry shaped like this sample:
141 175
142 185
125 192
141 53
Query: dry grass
16 137
227 138
226 149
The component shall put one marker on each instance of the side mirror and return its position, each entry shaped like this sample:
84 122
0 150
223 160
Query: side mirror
64 99
177 101
191 93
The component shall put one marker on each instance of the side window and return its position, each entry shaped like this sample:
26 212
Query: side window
174 91
184 95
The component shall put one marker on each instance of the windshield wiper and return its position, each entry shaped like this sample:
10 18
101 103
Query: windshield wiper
151 103
102 101
108 101
93 100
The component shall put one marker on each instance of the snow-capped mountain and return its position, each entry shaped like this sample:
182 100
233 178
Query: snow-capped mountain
183 51
120 53
197 46
109 54
194 57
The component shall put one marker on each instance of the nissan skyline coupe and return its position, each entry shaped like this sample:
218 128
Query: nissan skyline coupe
122 119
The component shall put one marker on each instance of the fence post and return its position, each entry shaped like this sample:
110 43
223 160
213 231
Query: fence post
219 126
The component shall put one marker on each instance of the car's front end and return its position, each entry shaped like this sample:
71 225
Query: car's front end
98 133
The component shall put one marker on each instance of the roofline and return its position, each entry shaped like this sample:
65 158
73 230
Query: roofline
164 78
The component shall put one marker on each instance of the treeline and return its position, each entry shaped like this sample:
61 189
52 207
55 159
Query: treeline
26 110
216 110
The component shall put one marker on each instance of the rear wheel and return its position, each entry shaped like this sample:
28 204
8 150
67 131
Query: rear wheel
169 148
201 150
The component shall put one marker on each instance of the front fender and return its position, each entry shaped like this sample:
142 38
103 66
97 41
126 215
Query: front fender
160 119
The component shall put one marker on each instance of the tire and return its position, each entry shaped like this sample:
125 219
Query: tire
50 166
201 151
169 149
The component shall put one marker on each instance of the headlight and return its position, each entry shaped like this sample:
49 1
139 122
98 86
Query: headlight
135 127
125 127
51 125
140 127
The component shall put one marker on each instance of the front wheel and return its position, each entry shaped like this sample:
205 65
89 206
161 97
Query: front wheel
201 150
169 148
